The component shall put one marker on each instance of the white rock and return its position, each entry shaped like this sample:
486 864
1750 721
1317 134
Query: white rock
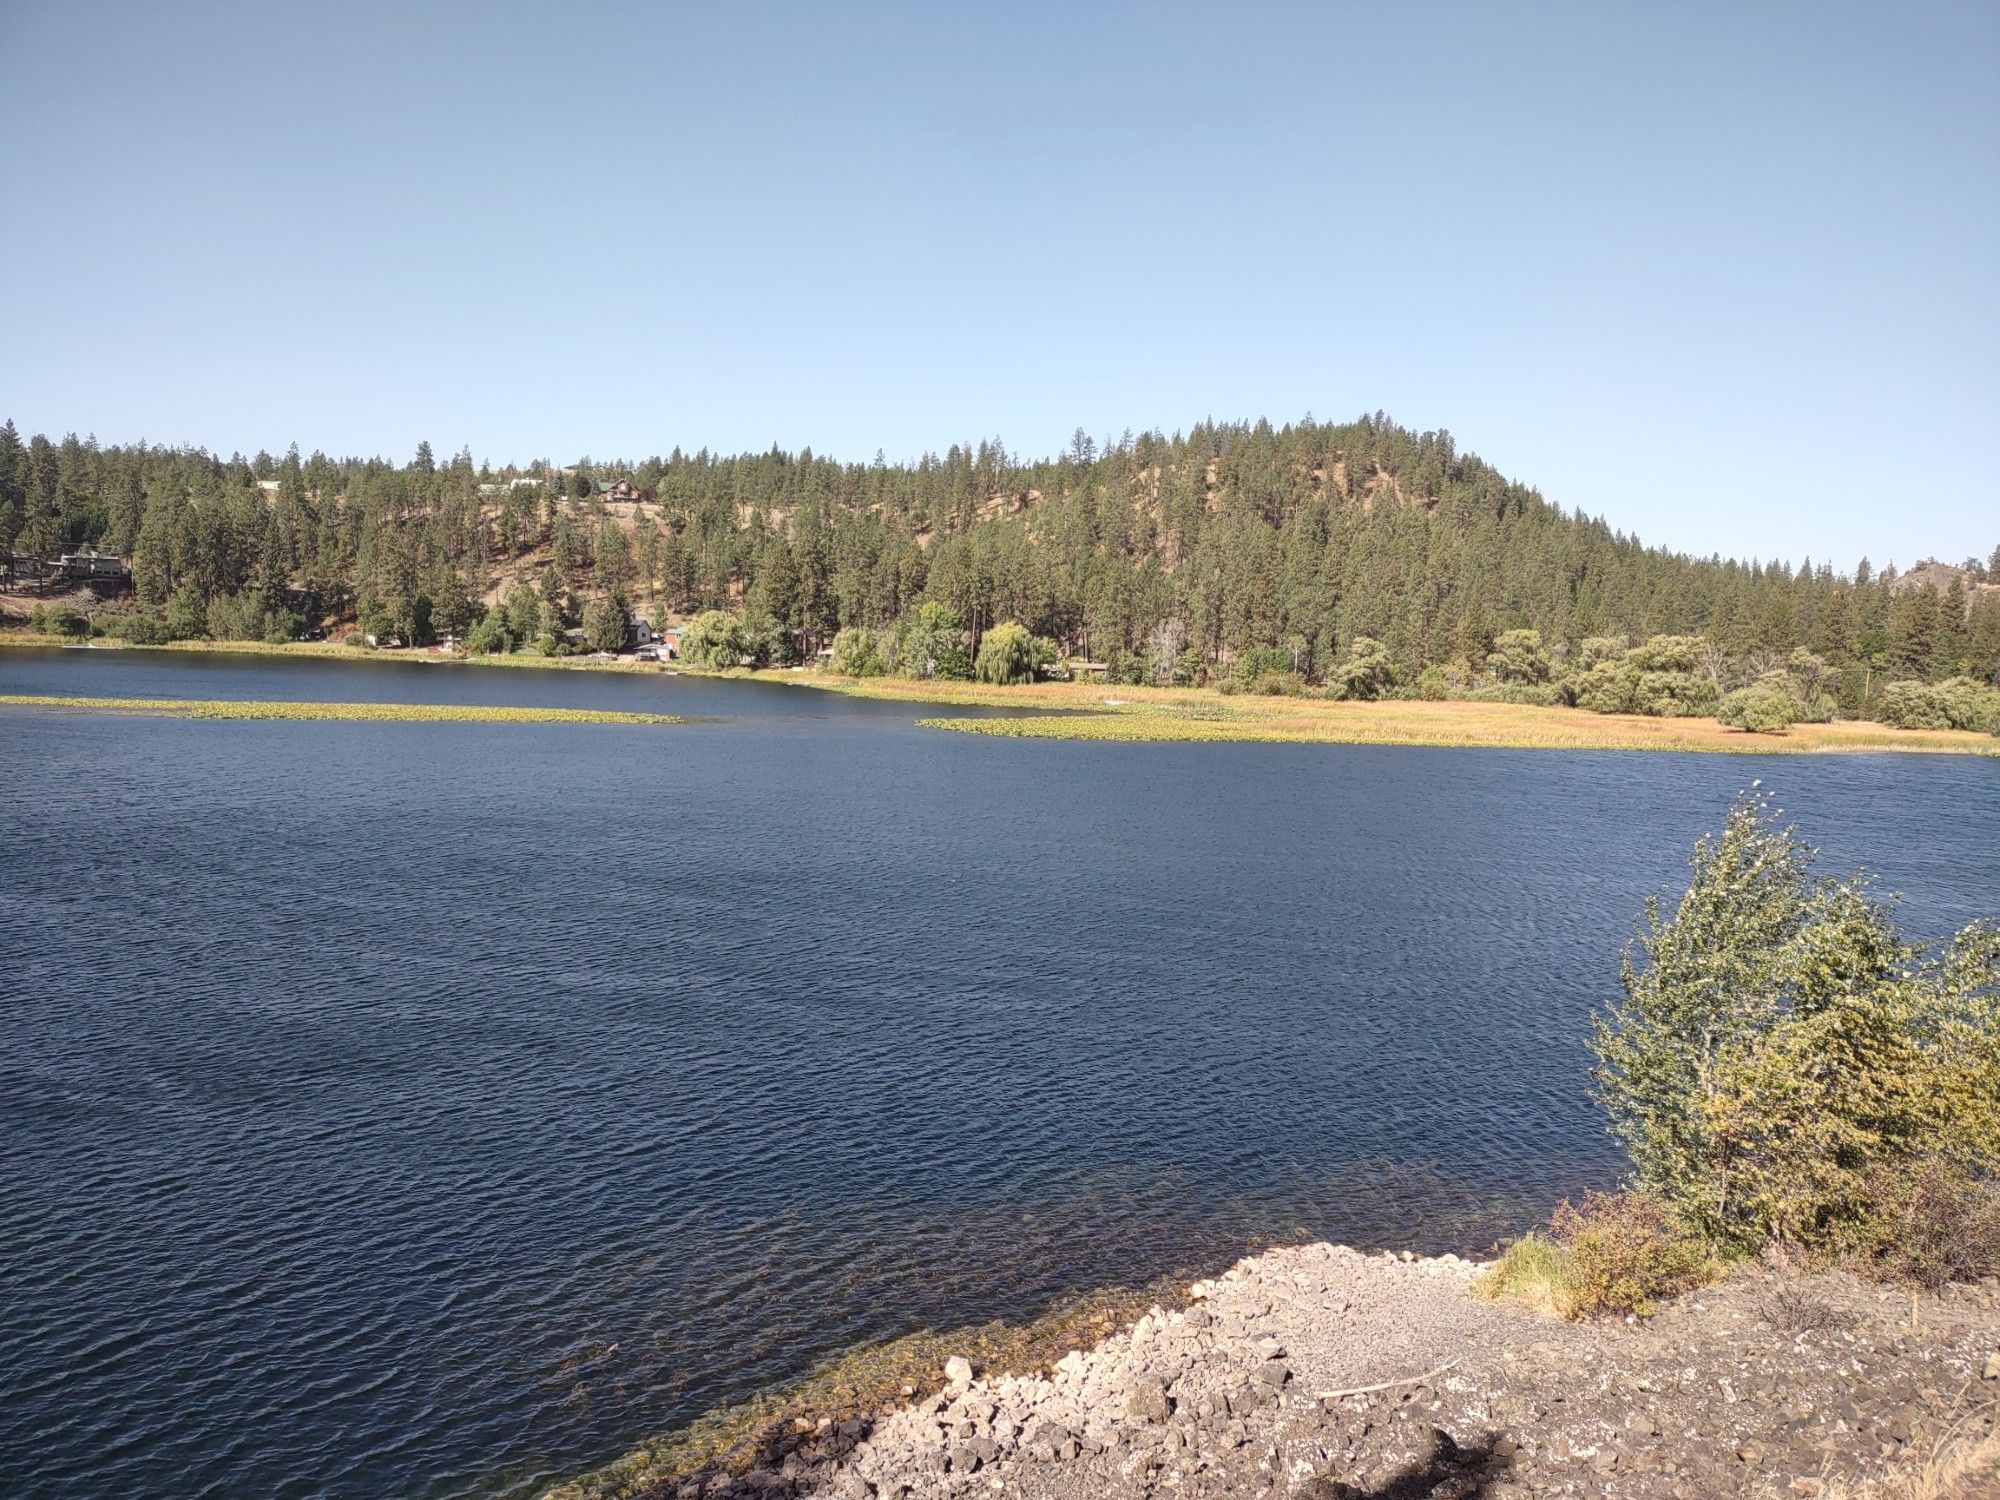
958 1372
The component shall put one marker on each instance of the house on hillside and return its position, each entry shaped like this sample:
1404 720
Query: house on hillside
628 492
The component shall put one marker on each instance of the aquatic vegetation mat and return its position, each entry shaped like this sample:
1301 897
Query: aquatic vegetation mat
385 713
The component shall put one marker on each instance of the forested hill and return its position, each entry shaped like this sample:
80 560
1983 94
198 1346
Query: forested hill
1289 540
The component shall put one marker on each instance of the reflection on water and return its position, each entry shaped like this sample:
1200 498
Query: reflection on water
366 1083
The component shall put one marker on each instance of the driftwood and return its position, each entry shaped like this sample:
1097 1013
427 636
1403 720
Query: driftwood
1387 1385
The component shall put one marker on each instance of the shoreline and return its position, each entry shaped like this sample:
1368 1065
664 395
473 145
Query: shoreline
1325 1373
1150 715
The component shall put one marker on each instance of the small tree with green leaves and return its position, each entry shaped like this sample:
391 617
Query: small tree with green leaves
1770 705
1366 671
855 654
1009 653
1518 657
713 639
1780 1044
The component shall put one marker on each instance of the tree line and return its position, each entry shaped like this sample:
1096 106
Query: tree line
1312 551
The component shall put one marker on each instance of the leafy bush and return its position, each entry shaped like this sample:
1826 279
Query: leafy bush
1779 1042
1434 684
58 619
1626 1252
1958 703
247 616
713 639
1127 669
932 644
1911 705
1277 685
142 627
1009 654
1769 705
1366 672
1518 657
1615 1253
855 654
1260 661
490 636
1539 694
1662 677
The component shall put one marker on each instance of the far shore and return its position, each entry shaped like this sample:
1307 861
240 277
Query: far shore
1097 711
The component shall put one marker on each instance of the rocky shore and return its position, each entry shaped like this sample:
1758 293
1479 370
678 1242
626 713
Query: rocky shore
1322 1372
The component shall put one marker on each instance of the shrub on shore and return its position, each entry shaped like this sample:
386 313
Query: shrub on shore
1009 654
1958 703
855 654
1782 1052
1611 1255
1770 705
59 619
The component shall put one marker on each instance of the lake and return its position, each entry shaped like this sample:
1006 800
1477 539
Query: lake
363 1083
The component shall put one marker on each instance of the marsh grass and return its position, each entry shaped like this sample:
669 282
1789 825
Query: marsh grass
1192 719
386 713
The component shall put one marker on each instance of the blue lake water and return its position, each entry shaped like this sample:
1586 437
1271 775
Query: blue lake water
361 1083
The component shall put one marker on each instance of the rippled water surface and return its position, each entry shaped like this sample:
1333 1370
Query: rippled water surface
363 1084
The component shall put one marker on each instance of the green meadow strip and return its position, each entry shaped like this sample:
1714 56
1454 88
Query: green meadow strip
381 713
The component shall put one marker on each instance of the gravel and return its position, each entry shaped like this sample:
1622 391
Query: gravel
1322 1373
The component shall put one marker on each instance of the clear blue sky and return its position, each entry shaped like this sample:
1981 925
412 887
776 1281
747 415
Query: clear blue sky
1728 275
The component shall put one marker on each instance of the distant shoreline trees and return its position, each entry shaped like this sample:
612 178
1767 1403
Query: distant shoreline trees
1359 558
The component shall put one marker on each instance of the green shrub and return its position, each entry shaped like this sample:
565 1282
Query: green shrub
713 639
1434 684
1366 672
1538 694
1779 1041
1259 661
1518 657
1911 705
1769 705
856 654
490 635
1958 703
1625 1253
1613 1254
142 626
1008 654
59 619
1277 685
1969 704
1127 669
931 643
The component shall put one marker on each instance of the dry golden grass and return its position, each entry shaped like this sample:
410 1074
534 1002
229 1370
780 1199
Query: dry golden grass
1091 711
1964 1464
